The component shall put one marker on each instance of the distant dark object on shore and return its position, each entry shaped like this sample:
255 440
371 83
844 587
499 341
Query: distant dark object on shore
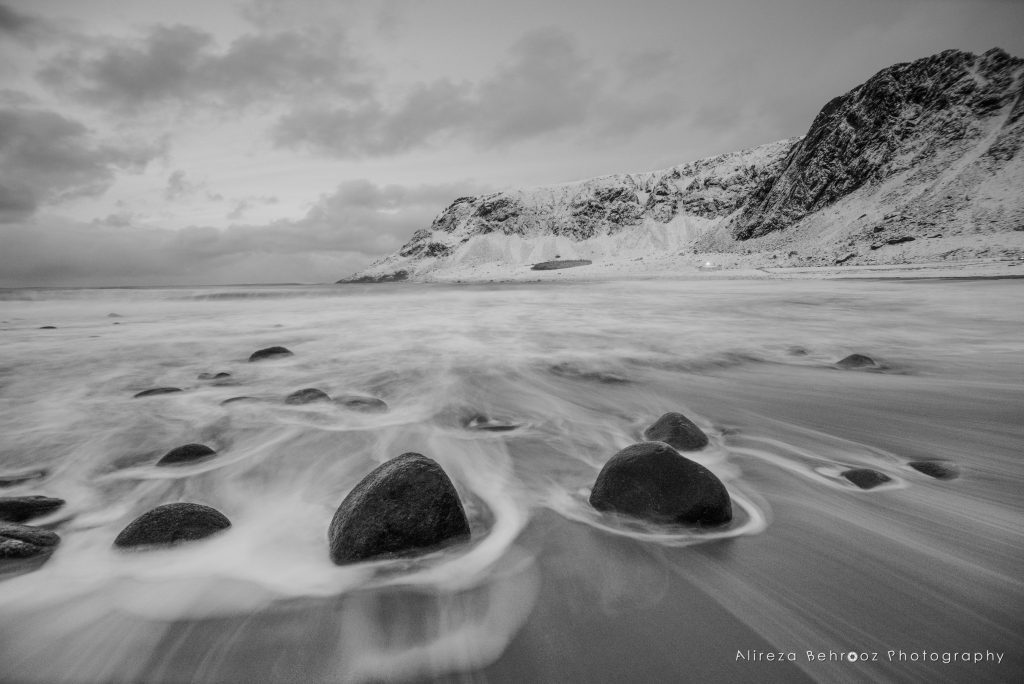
940 470
155 391
677 431
21 508
171 524
654 482
395 277
270 353
561 263
405 505
47 327
866 478
307 396
358 402
18 542
856 361
187 453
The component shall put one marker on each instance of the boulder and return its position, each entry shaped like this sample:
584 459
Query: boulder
187 453
940 470
856 361
155 391
306 396
21 508
270 353
678 431
866 478
171 524
405 505
653 481
357 402
22 541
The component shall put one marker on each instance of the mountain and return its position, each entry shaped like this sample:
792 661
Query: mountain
926 152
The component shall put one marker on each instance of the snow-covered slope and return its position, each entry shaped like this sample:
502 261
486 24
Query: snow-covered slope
927 152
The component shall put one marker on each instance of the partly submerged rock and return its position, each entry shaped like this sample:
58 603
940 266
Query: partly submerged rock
356 402
22 541
306 396
187 453
233 400
270 353
678 431
653 481
21 477
405 505
940 470
866 478
21 508
47 327
213 376
155 391
172 523
480 421
856 361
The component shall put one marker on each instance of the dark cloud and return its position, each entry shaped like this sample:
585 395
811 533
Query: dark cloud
545 86
341 233
47 158
182 64
14 23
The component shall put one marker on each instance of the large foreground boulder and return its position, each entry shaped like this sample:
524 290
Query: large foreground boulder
653 481
172 523
405 505
21 508
22 541
678 431
187 453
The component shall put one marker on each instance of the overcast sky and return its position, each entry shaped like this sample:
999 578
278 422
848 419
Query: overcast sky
201 142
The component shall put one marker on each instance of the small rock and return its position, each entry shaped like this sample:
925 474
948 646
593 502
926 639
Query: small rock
306 396
21 508
212 376
172 523
22 541
357 402
155 391
653 481
856 361
47 327
940 470
407 504
678 431
186 454
232 400
270 353
865 478
12 479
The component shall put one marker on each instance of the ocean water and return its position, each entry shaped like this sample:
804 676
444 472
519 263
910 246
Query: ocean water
903 575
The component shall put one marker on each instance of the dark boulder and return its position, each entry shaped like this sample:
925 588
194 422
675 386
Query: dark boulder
405 505
357 402
940 470
172 523
856 361
270 353
21 541
866 478
306 396
21 508
47 327
186 454
678 431
653 481
155 391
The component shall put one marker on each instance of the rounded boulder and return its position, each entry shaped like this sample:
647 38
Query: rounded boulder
171 524
653 481
677 431
405 505
866 478
186 454
270 353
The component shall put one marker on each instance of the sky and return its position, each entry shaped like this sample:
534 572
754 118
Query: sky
270 141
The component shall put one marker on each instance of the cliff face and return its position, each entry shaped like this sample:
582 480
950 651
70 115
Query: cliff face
912 117
921 150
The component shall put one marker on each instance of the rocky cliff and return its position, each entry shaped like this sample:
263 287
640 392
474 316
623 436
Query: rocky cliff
921 151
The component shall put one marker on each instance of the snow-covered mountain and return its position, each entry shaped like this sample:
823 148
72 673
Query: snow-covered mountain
928 151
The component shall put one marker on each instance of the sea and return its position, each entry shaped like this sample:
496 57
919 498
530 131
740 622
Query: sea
522 392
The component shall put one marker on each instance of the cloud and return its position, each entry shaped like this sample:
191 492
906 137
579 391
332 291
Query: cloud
47 158
340 233
14 23
545 86
183 65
